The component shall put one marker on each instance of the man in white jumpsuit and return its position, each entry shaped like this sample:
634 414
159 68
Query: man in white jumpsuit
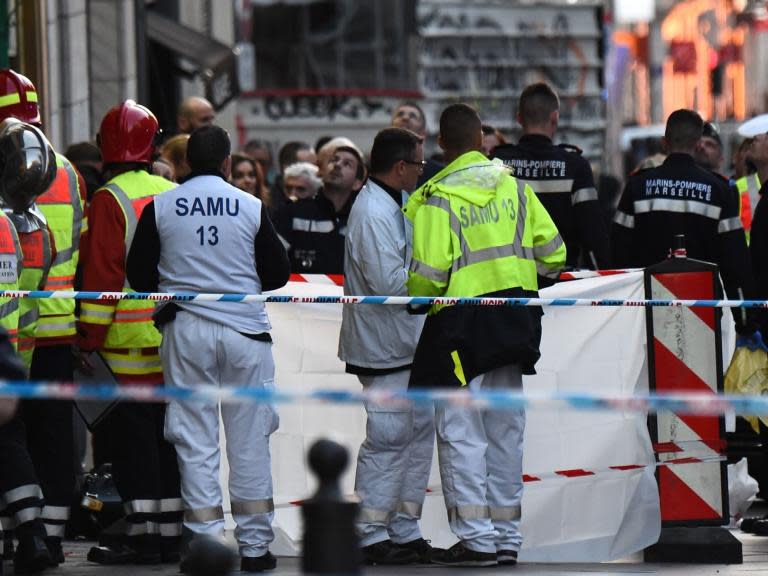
208 236
378 343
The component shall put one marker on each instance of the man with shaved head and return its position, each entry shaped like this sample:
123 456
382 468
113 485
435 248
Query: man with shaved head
194 112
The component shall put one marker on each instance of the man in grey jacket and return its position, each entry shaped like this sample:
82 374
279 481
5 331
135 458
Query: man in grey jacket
378 343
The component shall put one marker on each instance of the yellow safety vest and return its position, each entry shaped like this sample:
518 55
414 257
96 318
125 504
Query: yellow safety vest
37 251
130 321
478 230
11 266
64 209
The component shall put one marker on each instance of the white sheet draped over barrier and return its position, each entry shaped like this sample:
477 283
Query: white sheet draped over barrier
590 518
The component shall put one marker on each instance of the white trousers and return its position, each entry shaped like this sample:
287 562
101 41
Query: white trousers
196 351
481 467
393 464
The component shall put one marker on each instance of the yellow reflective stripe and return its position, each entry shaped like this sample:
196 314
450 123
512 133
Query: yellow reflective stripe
133 362
31 96
11 99
458 370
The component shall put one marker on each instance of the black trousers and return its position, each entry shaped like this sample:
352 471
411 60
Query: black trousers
145 471
50 437
21 499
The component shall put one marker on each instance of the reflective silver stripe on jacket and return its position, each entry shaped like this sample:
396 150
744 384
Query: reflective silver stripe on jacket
505 512
250 507
428 272
584 195
410 509
29 317
306 225
678 206
41 327
729 224
550 186
7 308
204 514
624 219
468 512
131 220
373 516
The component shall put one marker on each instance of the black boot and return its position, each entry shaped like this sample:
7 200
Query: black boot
31 555
7 546
55 550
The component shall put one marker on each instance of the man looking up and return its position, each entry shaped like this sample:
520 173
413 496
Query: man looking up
394 460
313 230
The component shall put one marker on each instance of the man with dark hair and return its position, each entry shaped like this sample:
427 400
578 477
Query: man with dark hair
296 151
410 116
202 236
477 231
207 149
395 458
313 229
559 176
680 197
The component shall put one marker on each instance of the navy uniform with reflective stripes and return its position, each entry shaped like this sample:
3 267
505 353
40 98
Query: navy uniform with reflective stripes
680 197
313 233
21 498
563 182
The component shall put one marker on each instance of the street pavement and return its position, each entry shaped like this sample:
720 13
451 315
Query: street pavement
755 550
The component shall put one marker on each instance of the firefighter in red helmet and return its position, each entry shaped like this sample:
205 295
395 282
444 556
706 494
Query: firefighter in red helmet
123 334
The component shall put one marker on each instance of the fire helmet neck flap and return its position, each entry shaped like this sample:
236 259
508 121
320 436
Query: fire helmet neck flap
127 134
27 164
18 98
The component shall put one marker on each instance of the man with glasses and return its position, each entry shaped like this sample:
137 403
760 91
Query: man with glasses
378 345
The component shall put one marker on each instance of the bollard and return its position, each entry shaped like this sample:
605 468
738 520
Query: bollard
330 541
684 355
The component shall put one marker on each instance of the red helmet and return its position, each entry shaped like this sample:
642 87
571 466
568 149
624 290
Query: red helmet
127 134
19 97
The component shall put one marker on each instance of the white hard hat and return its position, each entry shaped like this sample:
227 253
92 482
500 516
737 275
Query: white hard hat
755 126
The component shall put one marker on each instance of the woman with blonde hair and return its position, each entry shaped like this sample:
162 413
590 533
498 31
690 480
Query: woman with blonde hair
175 151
